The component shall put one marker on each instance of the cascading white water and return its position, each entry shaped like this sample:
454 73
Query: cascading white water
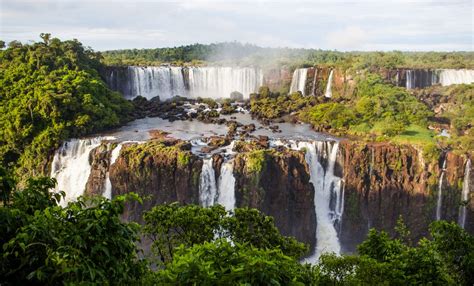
327 189
149 82
420 78
465 194
439 202
329 85
409 82
71 167
313 89
298 81
226 187
207 184
452 76
213 82
220 82
108 185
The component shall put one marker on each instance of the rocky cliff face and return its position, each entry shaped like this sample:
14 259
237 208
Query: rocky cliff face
157 171
277 183
99 160
381 182
384 181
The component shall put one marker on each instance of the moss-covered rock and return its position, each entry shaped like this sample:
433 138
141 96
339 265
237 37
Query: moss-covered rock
160 173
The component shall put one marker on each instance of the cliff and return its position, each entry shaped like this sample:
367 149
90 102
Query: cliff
381 182
158 171
277 183
384 181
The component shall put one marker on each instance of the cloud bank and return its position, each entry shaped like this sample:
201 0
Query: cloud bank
342 25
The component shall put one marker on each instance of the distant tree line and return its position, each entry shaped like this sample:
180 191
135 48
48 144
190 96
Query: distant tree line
234 52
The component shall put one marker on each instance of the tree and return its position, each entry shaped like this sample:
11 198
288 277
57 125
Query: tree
223 263
51 91
169 226
83 243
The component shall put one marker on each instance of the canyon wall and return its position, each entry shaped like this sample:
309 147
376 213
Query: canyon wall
384 181
277 183
380 183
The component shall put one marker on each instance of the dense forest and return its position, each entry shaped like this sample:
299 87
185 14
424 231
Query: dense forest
51 91
86 242
247 54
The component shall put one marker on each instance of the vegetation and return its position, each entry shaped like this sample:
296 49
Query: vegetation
376 110
83 243
457 108
198 54
51 91
267 104
87 243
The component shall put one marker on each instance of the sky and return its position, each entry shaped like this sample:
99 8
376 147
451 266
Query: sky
419 25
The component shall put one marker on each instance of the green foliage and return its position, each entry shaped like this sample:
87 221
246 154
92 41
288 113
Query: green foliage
378 108
223 263
87 243
169 226
456 246
7 185
459 109
138 155
332 114
211 103
255 161
266 104
172 225
50 91
246 54
431 152
83 243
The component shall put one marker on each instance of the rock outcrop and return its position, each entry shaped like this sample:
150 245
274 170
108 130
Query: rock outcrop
99 160
277 183
384 181
157 172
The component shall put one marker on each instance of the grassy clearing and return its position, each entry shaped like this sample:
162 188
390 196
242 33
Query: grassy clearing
415 134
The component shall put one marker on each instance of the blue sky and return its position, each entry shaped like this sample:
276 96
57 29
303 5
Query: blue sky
342 25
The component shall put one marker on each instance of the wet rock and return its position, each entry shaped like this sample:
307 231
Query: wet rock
249 128
218 141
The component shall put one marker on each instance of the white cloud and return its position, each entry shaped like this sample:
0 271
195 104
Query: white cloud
338 24
350 38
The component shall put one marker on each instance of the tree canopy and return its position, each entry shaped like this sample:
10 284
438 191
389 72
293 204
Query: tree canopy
50 91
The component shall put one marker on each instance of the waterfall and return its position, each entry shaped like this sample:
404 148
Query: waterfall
465 194
226 186
372 162
440 191
329 85
313 89
71 167
328 199
149 82
218 82
167 82
409 82
420 78
207 184
452 76
298 81
108 185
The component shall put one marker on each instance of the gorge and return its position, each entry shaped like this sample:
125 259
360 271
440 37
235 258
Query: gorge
324 190
326 193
